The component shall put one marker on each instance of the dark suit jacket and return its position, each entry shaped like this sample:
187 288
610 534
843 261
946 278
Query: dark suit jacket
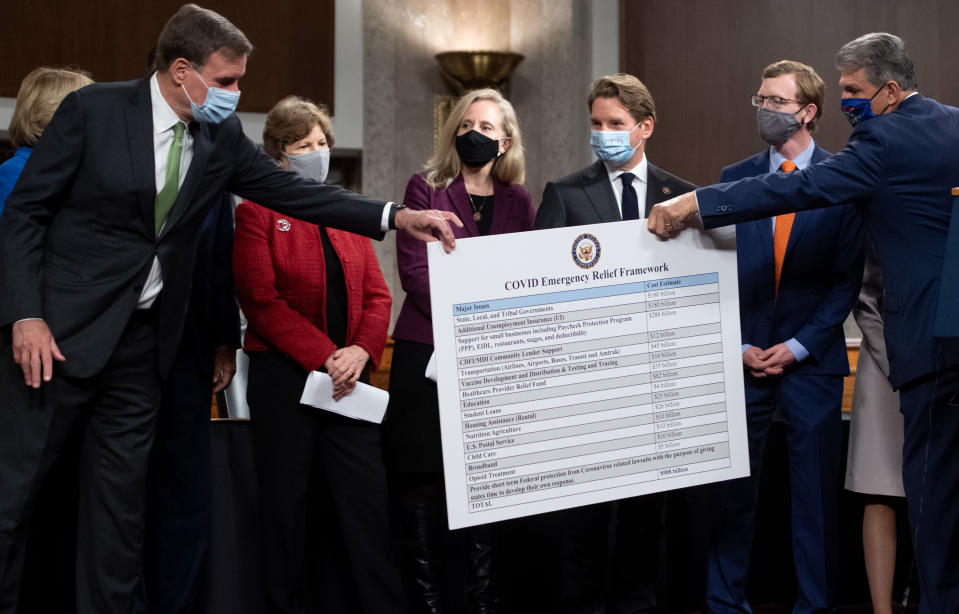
899 169
513 213
213 318
586 196
820 277
77 236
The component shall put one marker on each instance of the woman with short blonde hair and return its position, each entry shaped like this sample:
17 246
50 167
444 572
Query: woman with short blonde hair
475 173
40 94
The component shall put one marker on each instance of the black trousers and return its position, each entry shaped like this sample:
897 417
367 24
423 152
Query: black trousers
116 411
296 447
629 572
178 514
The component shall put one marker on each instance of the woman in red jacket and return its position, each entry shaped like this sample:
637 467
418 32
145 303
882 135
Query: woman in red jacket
476 173
315 299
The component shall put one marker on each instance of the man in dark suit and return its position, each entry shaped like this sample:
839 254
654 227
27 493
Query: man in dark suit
178 484
622 115
97 244
898 167
617 104
799 276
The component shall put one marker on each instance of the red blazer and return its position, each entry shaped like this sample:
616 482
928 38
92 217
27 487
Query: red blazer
514 213
280 281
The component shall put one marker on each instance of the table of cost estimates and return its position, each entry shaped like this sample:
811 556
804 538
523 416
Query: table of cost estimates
601 363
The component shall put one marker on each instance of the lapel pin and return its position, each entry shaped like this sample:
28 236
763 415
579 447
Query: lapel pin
282 225
666 190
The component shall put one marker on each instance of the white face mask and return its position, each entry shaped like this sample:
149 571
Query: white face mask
313 165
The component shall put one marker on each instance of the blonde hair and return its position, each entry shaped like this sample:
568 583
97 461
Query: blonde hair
292 119
445 164
41 92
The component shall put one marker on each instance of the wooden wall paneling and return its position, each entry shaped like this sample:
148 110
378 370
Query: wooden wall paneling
702 59
293 40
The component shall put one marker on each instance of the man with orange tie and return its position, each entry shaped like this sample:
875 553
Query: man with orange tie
799 276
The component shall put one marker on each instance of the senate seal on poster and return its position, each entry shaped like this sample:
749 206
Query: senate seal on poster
586 251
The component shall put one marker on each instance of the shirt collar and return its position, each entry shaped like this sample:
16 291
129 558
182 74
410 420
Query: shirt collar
803 160
163 116
640 170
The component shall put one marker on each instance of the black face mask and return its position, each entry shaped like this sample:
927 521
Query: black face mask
475 149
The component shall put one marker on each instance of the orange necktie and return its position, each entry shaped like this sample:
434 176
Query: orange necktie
784 224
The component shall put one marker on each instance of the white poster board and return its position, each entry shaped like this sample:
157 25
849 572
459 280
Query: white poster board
585 364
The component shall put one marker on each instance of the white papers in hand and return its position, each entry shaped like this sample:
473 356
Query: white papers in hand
431 367
364 403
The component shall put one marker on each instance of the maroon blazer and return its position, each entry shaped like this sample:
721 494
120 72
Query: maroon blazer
280 278
513 212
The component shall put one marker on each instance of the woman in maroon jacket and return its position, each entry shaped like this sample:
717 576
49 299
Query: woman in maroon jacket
315 299
475 173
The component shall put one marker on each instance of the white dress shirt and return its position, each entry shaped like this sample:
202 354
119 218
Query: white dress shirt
163 121
641 171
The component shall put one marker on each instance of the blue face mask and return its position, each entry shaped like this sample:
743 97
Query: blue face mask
613 145
858 109
218 105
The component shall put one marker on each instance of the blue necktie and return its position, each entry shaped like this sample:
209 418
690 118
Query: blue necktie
630 202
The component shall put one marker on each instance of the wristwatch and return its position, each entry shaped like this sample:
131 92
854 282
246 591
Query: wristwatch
394 209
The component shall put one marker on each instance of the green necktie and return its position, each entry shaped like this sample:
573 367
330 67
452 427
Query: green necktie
167 196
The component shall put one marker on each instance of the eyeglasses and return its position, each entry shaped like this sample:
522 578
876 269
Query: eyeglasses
775 101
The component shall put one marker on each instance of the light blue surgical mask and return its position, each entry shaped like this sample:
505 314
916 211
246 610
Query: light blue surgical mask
218 105
613 145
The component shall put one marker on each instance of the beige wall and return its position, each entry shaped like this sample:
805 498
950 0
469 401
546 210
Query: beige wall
401 78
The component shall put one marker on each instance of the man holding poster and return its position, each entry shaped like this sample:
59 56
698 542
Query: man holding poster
622 116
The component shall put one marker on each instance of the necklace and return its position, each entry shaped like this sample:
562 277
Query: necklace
478 211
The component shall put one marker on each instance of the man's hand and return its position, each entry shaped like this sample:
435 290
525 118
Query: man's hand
428 225
751 358
669 218
35 350
224 367
776 359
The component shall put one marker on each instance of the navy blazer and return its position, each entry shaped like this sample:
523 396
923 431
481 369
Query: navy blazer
899 169
513 213
213 317
78 234
586 196
822 271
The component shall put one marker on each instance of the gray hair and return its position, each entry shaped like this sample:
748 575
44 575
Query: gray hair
884 58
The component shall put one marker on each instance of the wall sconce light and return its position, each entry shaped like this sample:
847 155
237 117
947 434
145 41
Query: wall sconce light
470 70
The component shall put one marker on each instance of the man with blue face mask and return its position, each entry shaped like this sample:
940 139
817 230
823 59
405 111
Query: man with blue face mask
899 167
799 276
98 246
621 185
